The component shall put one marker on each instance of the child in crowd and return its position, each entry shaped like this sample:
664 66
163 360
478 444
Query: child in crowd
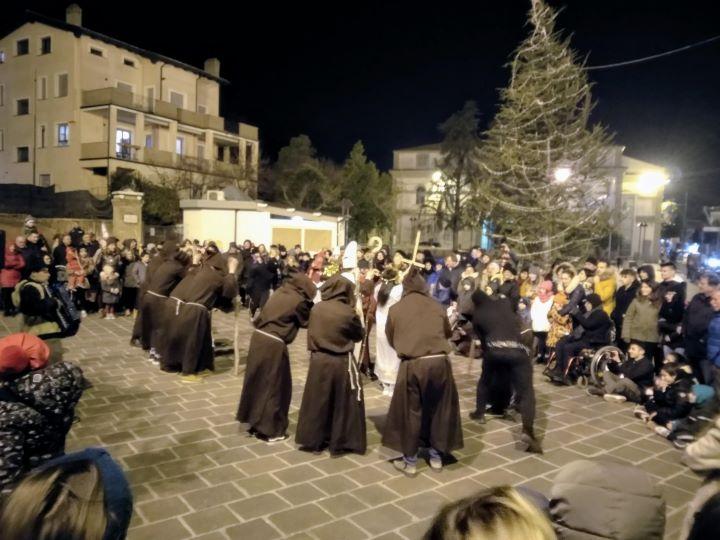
668 401
111 287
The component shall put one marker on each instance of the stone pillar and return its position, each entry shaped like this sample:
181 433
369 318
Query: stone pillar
172 135
140 136
127 215
209 145
112 130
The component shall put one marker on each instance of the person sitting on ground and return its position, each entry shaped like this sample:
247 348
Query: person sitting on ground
626 381
83 495
669 399
37 405
498 512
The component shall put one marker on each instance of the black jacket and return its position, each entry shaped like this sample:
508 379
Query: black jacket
695 323
672 312
623 298
640 372
511 291
493 319
672 403
596 326
575 300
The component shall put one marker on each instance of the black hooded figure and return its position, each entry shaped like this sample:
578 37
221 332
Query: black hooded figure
332 412
504 357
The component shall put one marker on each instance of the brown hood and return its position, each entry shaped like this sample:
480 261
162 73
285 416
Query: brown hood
609 273
301 283
414 283
218 262
338 288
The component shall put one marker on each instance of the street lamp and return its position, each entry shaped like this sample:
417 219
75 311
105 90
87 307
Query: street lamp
562 174
345 206
642 225
650 182
437 176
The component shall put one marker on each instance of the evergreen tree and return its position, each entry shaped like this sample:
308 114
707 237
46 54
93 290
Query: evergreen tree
541 156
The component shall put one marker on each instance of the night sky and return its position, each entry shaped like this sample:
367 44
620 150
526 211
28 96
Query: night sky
389 72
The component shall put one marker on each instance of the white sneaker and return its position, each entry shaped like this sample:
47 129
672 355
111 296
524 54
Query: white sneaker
277 439
662 431
614 398
404 467
436 464
83 314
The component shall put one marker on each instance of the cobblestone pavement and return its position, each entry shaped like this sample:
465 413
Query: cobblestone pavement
196 474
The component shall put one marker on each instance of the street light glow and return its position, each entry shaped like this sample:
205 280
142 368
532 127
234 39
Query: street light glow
650 182
437 176
562 174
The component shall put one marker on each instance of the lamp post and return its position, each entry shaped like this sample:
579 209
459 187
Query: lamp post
642 225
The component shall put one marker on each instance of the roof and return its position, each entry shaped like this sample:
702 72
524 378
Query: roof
32 16
425 147
257 206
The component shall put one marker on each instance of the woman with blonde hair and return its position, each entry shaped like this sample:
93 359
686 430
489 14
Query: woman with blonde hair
81 496
493 514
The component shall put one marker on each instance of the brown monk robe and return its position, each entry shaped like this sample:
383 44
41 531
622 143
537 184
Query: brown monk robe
166 251
332 412
425 410
367 283
152 306
267 388
187 341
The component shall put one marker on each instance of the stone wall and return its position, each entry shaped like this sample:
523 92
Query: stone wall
12 224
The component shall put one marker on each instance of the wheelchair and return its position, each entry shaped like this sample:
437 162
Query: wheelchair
588 366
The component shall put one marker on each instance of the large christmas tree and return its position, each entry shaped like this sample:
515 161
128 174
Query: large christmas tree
542 158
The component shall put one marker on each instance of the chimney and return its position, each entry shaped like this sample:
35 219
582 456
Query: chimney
212 66
73 15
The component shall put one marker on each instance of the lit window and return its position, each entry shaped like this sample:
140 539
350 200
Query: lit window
123 142
180 146
63 134
2 57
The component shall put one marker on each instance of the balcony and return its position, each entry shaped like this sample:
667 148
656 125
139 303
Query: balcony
114 96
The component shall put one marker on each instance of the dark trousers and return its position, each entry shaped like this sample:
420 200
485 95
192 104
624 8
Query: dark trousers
7 300
541 345
516 364
565 349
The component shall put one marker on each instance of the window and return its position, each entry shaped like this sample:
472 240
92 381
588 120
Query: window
45 45
22 47
201 151
62 85
2 95
420 196
41 137
42 88
2 57
177 99
180 146
150 95
97 52
123 141
63 134
129 62
2 140
125 87
45 180
202 109
422 161
23 107
23 154
249 149
148 141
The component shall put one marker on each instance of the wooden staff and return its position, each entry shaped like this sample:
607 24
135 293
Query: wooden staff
236 348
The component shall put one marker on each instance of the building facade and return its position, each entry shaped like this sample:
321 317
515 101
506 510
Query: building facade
412 173
77 106
635 190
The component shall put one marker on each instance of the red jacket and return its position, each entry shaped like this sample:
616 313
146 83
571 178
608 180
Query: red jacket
10 273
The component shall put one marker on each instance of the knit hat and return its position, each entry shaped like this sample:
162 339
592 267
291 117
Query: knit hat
594 300
13 359
507 267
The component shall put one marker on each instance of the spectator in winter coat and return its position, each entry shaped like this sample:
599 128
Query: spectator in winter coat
669 398
10 274
623 298
695 324
572 286
539 316
37 405
604 285
647 273
641 321
672 291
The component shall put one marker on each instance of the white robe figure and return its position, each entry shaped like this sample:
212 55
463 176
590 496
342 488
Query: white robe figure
387 362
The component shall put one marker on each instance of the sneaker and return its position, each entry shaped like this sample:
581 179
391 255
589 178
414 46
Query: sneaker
594 391
404 467
83 314
277 439
110 317
662 431
533 445
436 463
640 412
191 379
477 416
614 398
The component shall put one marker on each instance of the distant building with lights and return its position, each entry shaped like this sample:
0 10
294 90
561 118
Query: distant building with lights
636 188
77 106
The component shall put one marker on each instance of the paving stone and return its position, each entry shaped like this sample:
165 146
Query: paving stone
339 529
259 484
256 529
374 495
335 484
213 496
260 505
342 505
297 474
300 518
162 509
423 505
185 466
171 528
301 493
212 518
381 519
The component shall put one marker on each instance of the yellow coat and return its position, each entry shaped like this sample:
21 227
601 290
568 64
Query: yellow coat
605 289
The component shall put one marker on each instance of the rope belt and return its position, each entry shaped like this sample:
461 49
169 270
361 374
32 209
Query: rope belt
354 376
177 305
156 294
429 356
271 336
